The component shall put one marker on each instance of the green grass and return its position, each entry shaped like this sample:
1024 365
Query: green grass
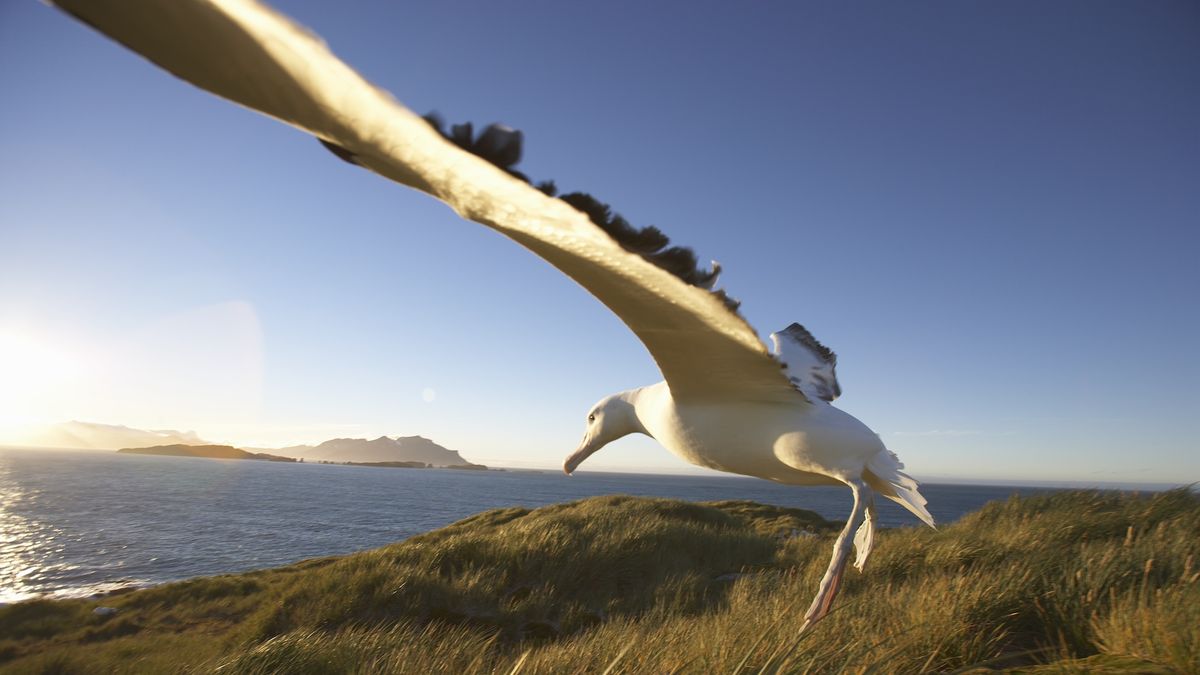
1067 583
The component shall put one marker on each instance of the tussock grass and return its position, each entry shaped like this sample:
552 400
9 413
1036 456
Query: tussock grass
1069 582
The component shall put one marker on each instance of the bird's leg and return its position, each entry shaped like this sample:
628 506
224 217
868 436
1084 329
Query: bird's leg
864 539
841 553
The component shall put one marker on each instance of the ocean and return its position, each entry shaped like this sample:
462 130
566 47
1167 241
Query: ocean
79 523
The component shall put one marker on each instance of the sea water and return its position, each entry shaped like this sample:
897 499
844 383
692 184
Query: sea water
78 523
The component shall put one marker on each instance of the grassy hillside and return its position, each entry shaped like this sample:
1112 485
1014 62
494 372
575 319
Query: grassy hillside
1071 582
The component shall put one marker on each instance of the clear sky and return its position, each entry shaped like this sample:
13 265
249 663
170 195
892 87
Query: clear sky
989 210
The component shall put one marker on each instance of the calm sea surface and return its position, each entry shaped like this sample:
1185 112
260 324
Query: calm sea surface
79 523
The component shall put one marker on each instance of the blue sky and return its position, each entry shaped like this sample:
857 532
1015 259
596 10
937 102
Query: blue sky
989 210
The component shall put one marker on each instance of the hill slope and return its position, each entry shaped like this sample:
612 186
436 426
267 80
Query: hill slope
1076 582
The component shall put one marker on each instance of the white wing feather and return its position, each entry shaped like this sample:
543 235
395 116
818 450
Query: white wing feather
246 52
810 365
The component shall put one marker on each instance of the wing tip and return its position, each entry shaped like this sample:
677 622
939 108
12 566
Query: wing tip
802 335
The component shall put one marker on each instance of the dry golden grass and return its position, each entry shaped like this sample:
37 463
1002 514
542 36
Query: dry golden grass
1071 582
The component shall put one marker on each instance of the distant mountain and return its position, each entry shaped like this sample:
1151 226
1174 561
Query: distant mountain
92 436
382 449
210 451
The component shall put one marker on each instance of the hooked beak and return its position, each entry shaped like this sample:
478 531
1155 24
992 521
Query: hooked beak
584 451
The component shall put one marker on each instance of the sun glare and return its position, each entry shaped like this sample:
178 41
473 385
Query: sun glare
33 373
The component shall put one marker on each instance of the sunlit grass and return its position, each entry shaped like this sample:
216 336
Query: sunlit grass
1070 582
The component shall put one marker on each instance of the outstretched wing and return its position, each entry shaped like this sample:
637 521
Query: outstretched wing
248 53
810 365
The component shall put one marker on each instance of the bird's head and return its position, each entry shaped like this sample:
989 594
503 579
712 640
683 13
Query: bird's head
608 420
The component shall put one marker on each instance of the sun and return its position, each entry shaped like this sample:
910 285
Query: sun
34 376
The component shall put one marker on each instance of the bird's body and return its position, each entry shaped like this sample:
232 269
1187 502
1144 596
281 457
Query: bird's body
795 445
727 403
810 443
789 444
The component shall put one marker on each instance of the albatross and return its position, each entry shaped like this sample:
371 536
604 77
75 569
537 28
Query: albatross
726 401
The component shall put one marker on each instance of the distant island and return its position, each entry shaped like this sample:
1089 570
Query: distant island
386 465
407 452
406 465
210 451
402 452
382 450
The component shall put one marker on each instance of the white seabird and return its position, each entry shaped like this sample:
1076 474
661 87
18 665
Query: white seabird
727 403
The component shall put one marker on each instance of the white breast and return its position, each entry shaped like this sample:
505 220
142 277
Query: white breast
794 444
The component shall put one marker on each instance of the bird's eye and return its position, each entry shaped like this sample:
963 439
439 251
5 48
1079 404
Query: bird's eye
591 418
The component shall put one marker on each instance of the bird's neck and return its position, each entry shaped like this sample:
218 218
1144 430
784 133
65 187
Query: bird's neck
643 402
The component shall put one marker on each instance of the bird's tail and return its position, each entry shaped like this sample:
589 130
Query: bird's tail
885 476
